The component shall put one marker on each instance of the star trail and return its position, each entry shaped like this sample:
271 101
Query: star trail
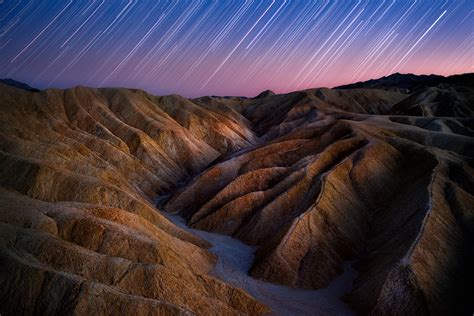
212 47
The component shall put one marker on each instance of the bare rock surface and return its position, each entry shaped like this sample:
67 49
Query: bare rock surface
79 233
338 178
234 260
281 192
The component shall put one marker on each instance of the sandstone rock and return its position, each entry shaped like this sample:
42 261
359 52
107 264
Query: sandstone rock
376 175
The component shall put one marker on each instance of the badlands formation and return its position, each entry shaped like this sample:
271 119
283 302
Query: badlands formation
374 177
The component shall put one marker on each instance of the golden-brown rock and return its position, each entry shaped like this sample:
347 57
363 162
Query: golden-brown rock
79 233
377 175
332 183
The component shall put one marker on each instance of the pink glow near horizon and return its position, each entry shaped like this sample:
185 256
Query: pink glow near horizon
197 48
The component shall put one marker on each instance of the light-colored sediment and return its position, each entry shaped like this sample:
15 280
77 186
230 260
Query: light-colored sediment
234 259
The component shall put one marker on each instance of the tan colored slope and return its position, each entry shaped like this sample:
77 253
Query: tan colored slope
323 183
78 231
81 258
294 108
218 125
338 186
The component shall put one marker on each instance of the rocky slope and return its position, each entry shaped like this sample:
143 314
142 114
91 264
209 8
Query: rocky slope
374 175
79 233
331 183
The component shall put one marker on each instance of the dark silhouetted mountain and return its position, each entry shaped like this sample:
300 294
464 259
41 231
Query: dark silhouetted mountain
18 84
265 94
411 82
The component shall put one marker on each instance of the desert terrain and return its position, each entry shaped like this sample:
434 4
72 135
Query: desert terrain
352 200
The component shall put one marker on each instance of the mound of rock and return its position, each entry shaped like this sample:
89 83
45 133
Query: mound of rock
372 174
332 183
79 232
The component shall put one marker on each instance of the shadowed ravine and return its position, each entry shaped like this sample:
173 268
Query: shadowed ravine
234 259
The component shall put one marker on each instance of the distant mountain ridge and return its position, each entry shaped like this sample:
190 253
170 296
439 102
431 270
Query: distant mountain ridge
18 84
411 81
396 81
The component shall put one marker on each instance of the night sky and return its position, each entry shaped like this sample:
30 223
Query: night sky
217 47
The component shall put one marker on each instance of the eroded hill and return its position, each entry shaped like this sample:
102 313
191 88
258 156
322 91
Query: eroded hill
377 176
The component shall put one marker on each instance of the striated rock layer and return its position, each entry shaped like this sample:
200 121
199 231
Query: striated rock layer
79 233
373 174
352 175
